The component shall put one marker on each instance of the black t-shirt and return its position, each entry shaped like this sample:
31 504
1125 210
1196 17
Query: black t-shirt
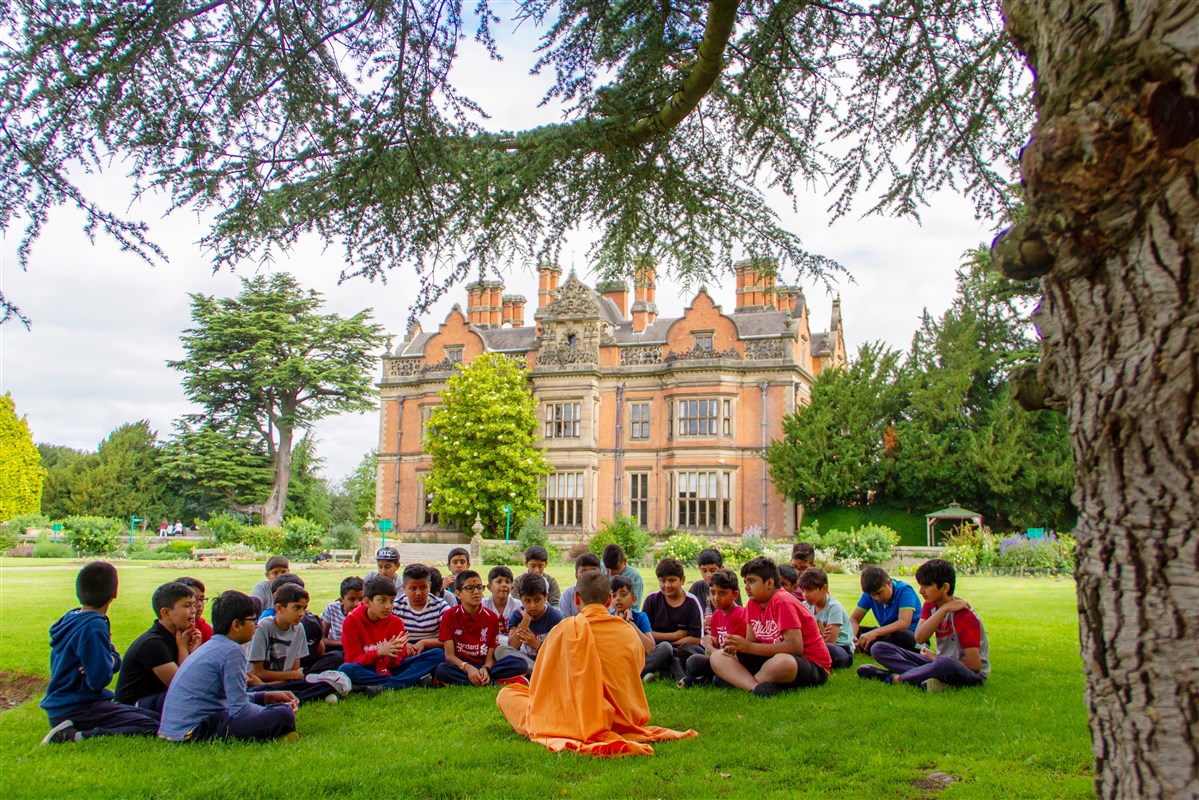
152 649
314 633
665 618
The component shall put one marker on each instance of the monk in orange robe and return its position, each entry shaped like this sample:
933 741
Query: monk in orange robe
586 694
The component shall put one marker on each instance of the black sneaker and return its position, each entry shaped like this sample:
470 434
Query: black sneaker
64 731
371 691
767 689
426 682
871 672
677 672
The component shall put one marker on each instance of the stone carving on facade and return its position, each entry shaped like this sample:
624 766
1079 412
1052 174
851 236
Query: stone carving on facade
574 300
763 349
444 365
404 367
557 353
696 353
640 355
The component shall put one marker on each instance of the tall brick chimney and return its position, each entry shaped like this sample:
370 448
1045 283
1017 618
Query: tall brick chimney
474 302
514 310
494 293
618 293
756 280
547 288
645 311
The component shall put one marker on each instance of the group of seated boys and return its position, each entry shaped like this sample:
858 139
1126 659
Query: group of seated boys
244 674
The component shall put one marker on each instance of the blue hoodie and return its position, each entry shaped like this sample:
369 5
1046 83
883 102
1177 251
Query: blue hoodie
82 662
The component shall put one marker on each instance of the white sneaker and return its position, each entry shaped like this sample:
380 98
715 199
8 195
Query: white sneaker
331 698
338 680
932 685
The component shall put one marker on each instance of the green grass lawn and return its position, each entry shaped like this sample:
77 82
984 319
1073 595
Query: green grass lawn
1023 734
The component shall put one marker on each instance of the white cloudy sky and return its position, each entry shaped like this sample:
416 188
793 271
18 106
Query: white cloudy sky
105 324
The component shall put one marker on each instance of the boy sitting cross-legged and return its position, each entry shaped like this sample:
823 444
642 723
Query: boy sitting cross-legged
624 605
528 627
207 698
336 612
782 648
151 661
676 620
279 646
420 609
961 657
201 624
387 559
587 562
831 616
317 660
82 663
536 560
895 606
470 634
378 653
728 618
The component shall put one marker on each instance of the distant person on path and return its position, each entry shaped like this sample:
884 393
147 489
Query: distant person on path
178 531
82 663
164 528
586 693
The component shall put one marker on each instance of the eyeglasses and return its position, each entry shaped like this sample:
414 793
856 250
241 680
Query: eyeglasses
472 587
201 600
251 620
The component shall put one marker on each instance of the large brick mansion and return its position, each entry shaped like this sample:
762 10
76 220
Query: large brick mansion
665 419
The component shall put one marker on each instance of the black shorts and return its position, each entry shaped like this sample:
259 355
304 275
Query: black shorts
807 673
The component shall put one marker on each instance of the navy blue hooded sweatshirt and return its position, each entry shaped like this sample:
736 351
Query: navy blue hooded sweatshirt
82 662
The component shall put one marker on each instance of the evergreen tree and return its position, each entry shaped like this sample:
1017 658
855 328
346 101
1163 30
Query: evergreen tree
21 471
482 445
353 499
266 365
832 448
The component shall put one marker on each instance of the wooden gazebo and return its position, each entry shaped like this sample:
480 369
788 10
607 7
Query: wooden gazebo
955 512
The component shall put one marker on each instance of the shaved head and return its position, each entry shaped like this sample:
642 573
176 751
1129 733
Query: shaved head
594 587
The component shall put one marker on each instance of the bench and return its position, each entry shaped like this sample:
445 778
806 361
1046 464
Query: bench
348 556
210 555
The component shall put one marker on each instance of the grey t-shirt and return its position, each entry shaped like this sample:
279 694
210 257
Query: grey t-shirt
278 649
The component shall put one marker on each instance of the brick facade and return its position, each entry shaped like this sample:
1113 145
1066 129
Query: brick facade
664 418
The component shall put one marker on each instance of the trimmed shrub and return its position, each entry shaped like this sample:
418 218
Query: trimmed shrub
509 554
532 533
263 539
1032 555
23 522
577 549
301 537
626 532
45 548
93 535
683 546
224 528
180 548
345 536
869 544
602 539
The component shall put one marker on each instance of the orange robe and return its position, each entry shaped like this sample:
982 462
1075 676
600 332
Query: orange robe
586 693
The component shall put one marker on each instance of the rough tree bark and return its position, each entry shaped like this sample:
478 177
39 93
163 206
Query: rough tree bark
1113 193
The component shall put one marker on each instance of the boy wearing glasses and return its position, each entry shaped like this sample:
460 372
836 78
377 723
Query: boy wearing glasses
470 634
207 698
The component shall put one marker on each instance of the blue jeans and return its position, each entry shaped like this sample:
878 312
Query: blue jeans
915 669
506 667
109 718
842 655
262 723
404 675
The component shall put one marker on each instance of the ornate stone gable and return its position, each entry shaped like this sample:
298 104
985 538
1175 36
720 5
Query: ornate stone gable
574 301
572 326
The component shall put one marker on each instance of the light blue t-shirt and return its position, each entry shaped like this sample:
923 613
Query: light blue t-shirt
902 596
834 613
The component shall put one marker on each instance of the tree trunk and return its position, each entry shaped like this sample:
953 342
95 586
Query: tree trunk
1113 196
276 501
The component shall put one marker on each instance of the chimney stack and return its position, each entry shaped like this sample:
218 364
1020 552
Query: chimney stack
495 304
474 300
547 289
514 310
756 278
645 311
618 293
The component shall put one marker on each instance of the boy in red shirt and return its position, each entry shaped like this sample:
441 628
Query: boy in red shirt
376 645
470 633
782 648
728 618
